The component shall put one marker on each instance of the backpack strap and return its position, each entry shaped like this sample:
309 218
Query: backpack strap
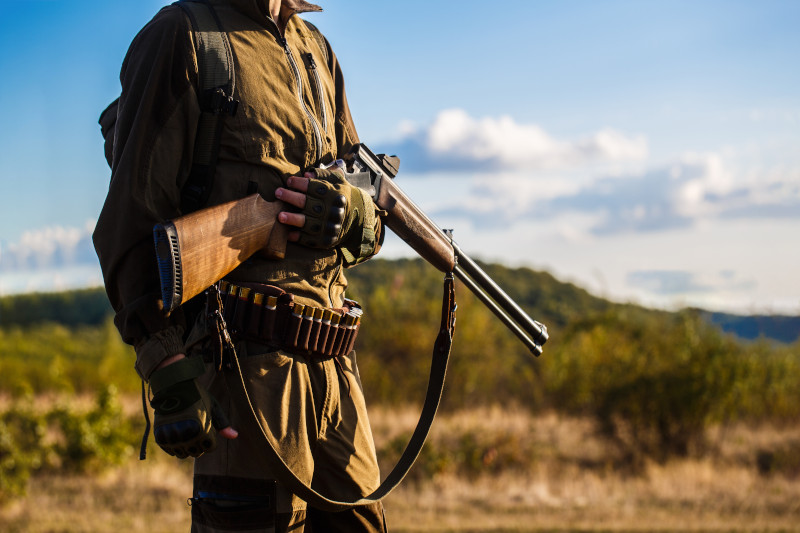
321 42
215 94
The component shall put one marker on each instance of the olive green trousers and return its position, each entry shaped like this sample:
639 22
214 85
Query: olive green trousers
316 411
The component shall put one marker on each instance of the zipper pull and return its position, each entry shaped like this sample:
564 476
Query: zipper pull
311 63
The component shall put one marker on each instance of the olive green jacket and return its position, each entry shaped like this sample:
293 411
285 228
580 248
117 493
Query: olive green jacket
284 125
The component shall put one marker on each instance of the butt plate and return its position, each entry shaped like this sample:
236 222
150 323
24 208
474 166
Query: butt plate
170 270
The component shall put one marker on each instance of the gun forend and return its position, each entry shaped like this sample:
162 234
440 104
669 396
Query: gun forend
408 221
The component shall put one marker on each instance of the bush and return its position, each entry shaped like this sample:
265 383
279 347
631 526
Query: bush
61 439
48 358
93 439
464 453
653 383
21 436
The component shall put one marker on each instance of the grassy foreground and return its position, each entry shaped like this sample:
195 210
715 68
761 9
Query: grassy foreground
482 470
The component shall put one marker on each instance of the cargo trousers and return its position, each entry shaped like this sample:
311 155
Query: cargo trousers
317 413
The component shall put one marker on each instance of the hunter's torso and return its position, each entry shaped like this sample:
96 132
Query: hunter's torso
288 121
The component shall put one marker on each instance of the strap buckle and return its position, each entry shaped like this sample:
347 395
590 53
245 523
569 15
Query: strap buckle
216 100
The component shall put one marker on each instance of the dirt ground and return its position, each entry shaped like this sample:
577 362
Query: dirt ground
724 491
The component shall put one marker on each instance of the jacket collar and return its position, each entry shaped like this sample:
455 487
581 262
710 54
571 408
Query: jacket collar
259 9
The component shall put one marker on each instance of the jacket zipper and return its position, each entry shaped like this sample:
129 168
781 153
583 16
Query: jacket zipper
314 125
312 65
309 114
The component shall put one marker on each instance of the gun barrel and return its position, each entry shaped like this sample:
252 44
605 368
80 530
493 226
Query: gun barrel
532 333
437 247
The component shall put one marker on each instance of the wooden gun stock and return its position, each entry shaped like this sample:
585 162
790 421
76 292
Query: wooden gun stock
197 250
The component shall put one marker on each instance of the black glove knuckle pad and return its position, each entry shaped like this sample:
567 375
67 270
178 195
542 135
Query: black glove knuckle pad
327 210
185 412
177 431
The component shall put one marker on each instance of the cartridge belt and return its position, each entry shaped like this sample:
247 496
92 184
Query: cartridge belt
269 315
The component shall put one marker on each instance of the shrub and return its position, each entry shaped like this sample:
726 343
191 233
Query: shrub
61 439
653 383
93 439
464 453
21 435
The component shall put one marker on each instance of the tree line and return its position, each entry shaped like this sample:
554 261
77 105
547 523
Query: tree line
653 380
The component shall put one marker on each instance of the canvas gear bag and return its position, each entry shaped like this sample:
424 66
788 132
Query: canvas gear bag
215 94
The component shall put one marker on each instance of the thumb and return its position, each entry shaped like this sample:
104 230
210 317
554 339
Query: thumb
229 433
220 420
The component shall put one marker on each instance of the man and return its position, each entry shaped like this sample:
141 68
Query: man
292 120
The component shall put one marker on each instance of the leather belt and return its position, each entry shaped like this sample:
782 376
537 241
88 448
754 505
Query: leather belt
269 315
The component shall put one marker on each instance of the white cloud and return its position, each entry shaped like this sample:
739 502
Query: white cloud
456 141
685 282
49 248
51 279
53 258
687 192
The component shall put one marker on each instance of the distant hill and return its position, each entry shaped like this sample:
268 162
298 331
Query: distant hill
545 298
774 327
70 308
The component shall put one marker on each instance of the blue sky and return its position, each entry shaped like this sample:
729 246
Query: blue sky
646 150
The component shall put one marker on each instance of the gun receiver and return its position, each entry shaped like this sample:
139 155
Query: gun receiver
375 174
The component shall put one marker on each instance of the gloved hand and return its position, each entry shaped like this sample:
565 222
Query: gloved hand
334 210
187 417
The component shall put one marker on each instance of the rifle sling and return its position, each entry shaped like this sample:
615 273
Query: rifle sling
433 395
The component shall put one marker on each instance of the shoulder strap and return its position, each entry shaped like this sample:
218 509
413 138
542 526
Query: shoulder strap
323 44
215 93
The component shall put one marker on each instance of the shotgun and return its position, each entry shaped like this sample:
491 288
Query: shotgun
197 250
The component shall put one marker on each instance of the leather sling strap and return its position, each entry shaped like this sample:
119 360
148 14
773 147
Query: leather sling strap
215 94
433 395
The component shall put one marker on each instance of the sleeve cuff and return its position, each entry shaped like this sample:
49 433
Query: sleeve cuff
364 245
157 347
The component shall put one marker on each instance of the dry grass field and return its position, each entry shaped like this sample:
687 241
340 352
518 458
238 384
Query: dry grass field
537 473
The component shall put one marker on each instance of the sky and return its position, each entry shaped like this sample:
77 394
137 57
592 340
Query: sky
647 151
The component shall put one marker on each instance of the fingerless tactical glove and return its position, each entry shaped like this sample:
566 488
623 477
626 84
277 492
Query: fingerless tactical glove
338 214
186 415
